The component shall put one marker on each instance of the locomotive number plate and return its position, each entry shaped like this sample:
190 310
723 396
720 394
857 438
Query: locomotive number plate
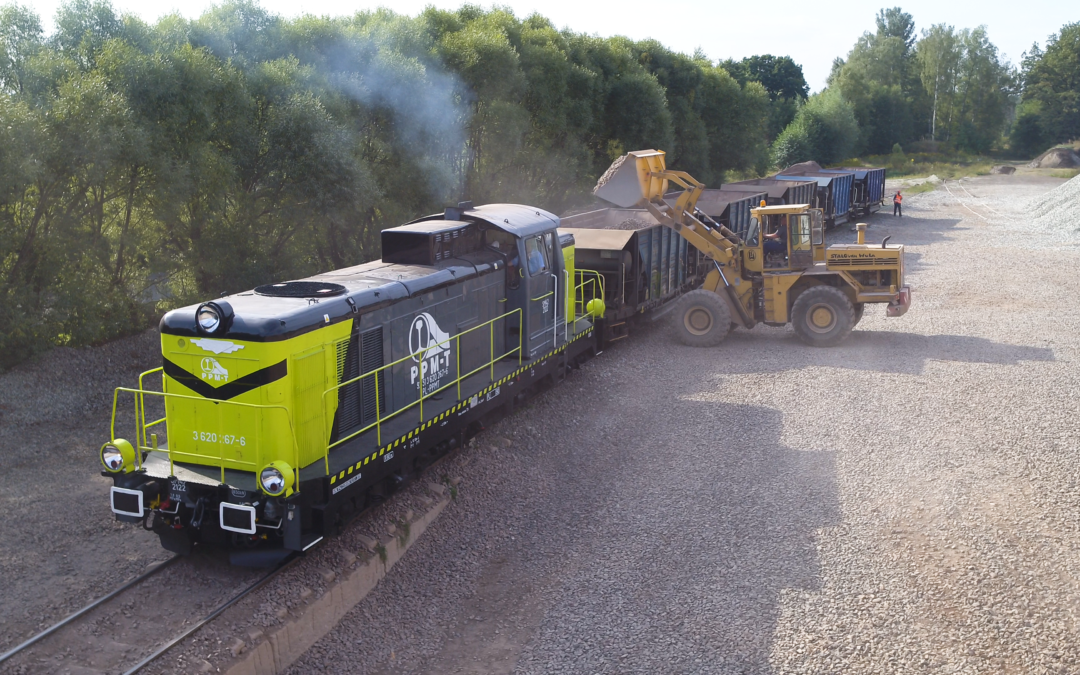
177 488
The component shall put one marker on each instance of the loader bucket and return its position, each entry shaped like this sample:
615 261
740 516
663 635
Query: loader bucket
627 182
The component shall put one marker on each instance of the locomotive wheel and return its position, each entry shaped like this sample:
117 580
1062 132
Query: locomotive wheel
702 319
822 316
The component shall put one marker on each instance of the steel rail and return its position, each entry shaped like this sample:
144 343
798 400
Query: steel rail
97 603
980 202
212 615
961 201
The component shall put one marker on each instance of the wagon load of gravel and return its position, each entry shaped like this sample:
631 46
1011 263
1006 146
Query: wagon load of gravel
1059 209
1056 158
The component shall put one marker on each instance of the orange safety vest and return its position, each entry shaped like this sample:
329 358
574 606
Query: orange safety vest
897 199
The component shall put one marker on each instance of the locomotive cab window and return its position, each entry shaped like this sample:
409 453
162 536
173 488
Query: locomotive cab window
535 252
500 241
506 244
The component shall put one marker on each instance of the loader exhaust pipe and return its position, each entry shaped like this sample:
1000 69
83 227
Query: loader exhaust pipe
861 229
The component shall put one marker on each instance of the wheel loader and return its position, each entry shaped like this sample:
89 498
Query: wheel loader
780 272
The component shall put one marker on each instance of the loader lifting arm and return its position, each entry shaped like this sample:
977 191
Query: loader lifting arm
641 178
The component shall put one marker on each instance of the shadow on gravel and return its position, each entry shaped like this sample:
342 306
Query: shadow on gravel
772 351
693 540
890 352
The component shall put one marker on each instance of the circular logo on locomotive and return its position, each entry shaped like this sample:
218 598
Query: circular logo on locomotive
212 370
425 334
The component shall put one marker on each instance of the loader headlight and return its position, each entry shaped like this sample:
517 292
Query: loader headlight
118 455
209 317
277 479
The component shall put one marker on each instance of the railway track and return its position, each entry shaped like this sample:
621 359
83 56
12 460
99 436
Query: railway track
21 654
973 200
74 635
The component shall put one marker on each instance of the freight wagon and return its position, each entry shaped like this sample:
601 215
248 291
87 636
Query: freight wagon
833 193
730 208
631 261
780 192
867 190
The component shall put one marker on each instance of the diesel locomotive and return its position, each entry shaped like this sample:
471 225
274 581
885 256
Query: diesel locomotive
290 407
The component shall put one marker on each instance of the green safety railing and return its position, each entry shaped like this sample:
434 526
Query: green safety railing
145 443
591 281
422 354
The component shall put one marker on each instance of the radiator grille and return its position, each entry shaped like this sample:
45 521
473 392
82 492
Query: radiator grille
357 403
349 396
371 346
859 262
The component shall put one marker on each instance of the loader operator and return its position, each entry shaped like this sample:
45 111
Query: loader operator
776 242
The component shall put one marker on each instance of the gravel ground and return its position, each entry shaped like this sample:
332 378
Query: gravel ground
60 546
904 503
907 502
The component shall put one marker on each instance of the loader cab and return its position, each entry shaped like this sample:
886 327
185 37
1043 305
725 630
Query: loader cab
784 238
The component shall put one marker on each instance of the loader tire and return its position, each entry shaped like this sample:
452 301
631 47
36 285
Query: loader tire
822 316
859 307
702 319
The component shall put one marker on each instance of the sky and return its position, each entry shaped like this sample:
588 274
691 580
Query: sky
812 34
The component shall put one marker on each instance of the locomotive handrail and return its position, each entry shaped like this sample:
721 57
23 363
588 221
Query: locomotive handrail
141 406
379 419
140 415
580 302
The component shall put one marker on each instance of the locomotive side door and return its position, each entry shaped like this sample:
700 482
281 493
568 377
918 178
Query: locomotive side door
542 270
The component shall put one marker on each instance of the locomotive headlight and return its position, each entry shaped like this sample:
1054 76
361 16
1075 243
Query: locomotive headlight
118 455
277 479
209 317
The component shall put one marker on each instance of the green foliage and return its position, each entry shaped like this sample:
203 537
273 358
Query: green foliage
941 164
143 167
948 86
824 130
1050 109
782 79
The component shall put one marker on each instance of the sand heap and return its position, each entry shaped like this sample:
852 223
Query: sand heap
801 167
1059 209
1056 158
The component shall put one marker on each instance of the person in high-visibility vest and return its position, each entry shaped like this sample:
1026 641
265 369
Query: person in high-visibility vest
896 210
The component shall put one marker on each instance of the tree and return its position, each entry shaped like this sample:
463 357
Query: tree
938 56
824 130
1051 89
144 167
782 79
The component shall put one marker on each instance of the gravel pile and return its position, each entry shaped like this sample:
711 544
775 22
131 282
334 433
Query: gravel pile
633 224
1056 158
1059 209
